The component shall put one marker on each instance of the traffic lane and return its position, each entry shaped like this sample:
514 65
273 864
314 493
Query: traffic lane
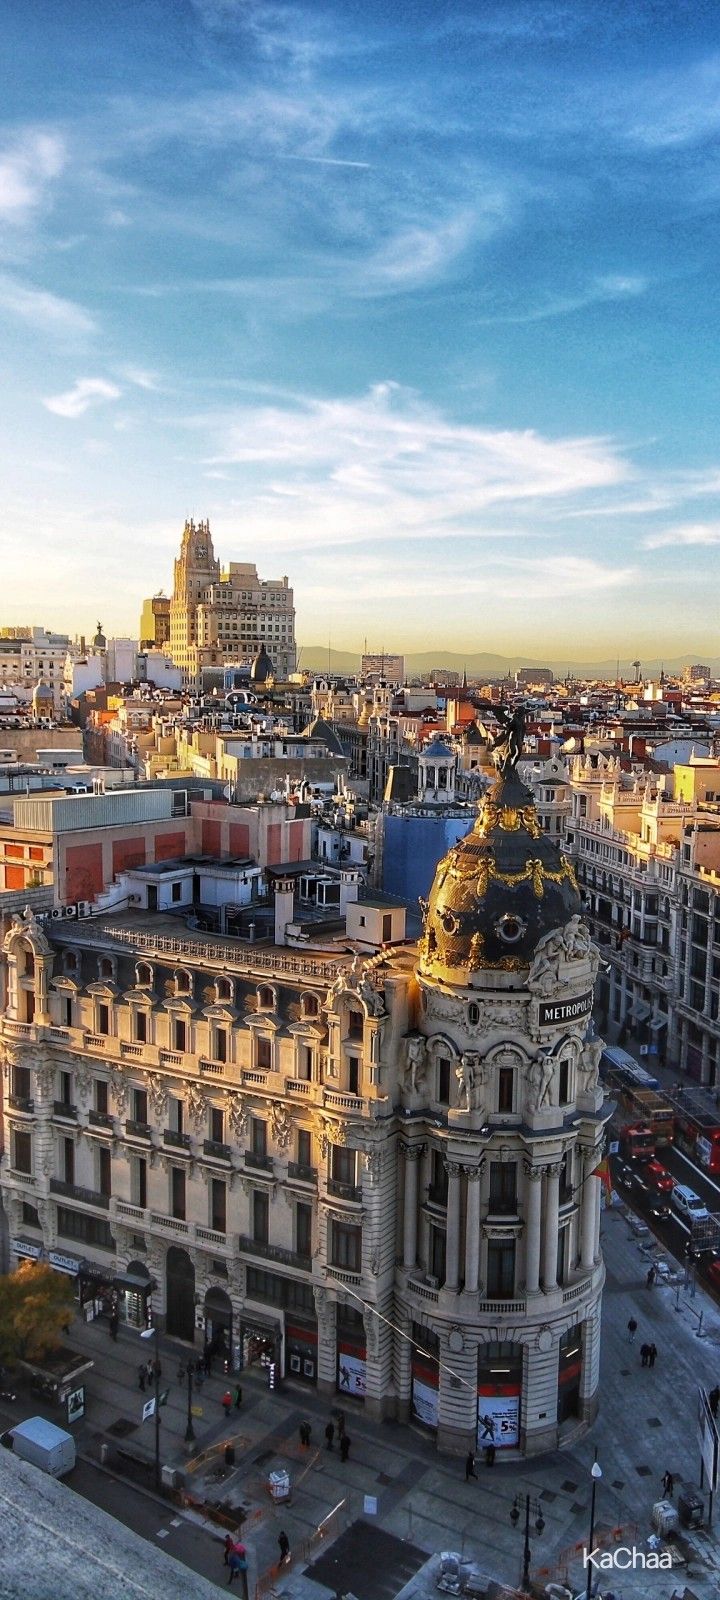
685 1170
668 1228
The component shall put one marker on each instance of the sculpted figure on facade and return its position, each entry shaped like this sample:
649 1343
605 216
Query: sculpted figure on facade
237 1114
157 1089
589 1065
562 945
415 1060
469 1078
540 1077
196 1102
281 1124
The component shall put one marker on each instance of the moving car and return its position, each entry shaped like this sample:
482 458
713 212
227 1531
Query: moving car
688 1205
657 1177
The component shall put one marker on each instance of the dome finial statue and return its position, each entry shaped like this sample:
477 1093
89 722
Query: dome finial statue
507 746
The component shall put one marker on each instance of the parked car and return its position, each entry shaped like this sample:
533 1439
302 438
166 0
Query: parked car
688 1205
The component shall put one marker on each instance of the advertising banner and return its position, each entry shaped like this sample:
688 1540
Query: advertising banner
498 1420
425 1402
351 1373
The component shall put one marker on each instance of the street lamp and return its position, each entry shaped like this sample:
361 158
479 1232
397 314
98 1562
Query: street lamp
189 1431
596 1474
534 1506
152 1333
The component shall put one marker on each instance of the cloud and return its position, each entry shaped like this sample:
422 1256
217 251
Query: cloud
47 313
688 533
141 378
85 393
26 167
599 290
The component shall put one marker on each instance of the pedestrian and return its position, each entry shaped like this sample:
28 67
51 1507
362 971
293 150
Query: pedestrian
489 1455
340 1423
237 1562
227 1402
329 1435
644 1354
142 1375
668 1485
650 1279
114 1325
229 1545
238 1397
632 1329
156 1368
345 1443
305 1431
150 1372
714 1399
652 1357
181 1373
284 1546
470 1466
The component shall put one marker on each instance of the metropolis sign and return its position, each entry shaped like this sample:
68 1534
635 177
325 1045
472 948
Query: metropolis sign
554 1011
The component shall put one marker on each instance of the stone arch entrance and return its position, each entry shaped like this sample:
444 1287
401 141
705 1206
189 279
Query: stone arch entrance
218 1324
180 1301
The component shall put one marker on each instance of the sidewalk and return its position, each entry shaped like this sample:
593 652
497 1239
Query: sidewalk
646 1424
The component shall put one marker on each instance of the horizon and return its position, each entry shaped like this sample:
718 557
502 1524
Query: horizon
418 308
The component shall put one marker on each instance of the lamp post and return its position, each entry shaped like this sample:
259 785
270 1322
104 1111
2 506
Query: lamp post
152 1333
189 1431
530 1505
595 1474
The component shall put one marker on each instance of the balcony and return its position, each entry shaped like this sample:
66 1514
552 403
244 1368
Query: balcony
122 1208
423 1289
21 1102
344 1191
177 1141
64 1110
137 1051
256 1077
302 1086
339 1101
85 1197
101 1119
302 1174
212 1237
262 1163
17 1030
177 1226
215 1067
216 1151
170 1058
95 1041
138 1130
274 1252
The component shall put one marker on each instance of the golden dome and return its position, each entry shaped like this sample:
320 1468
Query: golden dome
497 892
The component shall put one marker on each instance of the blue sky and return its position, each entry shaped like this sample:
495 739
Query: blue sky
417 302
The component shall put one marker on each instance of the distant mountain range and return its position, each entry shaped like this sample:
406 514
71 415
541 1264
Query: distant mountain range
317 658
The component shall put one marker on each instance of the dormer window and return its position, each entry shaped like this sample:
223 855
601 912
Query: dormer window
70 961
266 998
106 967
310 1005
224 989
143 975
183 981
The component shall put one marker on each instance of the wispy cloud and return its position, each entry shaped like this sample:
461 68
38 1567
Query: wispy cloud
687 533
26 167
46 312
85 393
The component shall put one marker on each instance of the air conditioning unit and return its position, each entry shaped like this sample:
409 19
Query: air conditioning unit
134 899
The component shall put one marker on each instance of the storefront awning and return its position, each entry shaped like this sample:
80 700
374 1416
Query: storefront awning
640 1010
62 1262
29 1249
659 1022
127 1280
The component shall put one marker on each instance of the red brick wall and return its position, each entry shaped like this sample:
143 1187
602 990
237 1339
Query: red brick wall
274 844
83 872
239 839
127 853
295 841
14 877
211 833
168 845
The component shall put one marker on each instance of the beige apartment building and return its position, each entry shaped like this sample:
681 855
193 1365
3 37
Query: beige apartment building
226 617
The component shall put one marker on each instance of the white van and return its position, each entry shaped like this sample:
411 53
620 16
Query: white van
688 1204
43 1444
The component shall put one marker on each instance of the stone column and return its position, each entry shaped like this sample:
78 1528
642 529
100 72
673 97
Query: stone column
42 1014
452 1242
532 1229
550 1238
472 1229
412 1154
587 1237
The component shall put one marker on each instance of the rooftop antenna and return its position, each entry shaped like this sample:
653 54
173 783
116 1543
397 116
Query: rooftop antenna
637 665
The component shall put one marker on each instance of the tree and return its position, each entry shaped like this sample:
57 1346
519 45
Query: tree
36 1305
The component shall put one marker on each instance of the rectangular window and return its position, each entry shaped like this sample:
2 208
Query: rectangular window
501 1269
305 1061
68 1160
503 1188
343 1164
355 1025
29 1215
103 1019
386 927
258 1136
564 1083
67 1011
177 1193
180 1035
346 1246
104 1170
217 1125
304 1147
303 1230
140 1105
506 1088
353 1075
177 892
87 1229
101 1095
443 1082
138 1173
218 1206
141 1027
21 1082
263 1054
438 1191
23 1152
260 1216
220 1052
437 1254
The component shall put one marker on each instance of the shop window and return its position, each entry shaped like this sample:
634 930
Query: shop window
218 1205
503 1188
346 1246
104 1171
303 1229
506 1088
501 1269
569 1373
177 1193
443 1081
263 1054
22 1153
260 1216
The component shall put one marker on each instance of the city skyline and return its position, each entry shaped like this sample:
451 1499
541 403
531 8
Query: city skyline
415 308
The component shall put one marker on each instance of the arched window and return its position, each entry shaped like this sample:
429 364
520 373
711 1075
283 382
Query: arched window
473 1014
224 989
143 975
70 961
183 981
310 1005
266 998
106 967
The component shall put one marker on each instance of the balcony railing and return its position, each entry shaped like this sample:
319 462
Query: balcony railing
75 1191
171 1058
344 1191
135 1050
138 1130
178 1141
20 1102
274 1252
63 1108
301 1173
96 1041
344 1102
101 1119
217 1067
175 1225
211 1236
263 1163
216 1150
298 1086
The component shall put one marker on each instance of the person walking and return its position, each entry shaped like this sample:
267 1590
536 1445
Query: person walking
345 1442
284 1547
652 1355
227 1402
237 1562
632 1329
650 1279
114 1324
329 1435
238 1398
644 1354
489 1455
229 1545
150 1373
668 1485
305 1432
470 1466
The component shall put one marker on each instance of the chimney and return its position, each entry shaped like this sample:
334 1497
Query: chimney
284 890
350 879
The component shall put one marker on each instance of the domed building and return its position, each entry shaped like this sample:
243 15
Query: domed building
502 1276
262 669
99 641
